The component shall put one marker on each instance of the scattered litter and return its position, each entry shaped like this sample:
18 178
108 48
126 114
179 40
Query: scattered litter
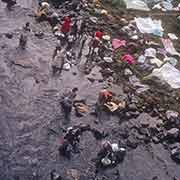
67 66
108 59
137 4
128 58
168 45
150 52
172 36
156 61
173 61
117 43
169 74
141 59
147 25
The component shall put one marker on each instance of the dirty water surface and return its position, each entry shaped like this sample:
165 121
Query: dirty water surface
29 107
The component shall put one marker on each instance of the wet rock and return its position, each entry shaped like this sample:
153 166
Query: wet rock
175 155
132 107
155 140
9 35
144 123
132 142
173 133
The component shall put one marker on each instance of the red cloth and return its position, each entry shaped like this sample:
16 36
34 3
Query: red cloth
128 58
105 94
98 34
66 27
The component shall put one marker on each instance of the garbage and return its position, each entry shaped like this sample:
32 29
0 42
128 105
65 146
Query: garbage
150 52
135 82
169 74
128 72
156 61
108 59
171 114
106 37
147 25
67 66
114 106
104 12
171 60
135 37
128 58
167 5
172 36
141 59
168 45
137 5
117 43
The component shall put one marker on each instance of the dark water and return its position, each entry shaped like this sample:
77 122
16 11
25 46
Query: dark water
29 106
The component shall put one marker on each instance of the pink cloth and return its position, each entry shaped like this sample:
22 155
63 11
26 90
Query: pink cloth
117 43
128 58
169 47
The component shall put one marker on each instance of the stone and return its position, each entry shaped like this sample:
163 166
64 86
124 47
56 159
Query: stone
144 123
132 142
132 107
171 114
173 133
155 140
175 155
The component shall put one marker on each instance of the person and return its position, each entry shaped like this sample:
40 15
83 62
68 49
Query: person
58 62
67 103
72 139
54 175
54 19
10 3
43 11
66 26
23 41
74 30
95 42
27 28
110 154
104 96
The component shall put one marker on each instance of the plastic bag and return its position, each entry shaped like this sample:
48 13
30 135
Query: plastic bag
137 4
169 74
168 45
147 25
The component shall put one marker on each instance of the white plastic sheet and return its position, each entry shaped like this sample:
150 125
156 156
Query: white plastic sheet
169 74
137 4
147 25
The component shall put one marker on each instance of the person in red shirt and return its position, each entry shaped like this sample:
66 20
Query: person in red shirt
66 26
95 42
99 34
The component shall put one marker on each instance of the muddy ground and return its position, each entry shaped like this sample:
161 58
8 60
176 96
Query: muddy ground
29 106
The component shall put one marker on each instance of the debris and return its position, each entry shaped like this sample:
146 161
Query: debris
172 36
147 25
169 74
117 43
128 58
150 52
137 5
168 45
